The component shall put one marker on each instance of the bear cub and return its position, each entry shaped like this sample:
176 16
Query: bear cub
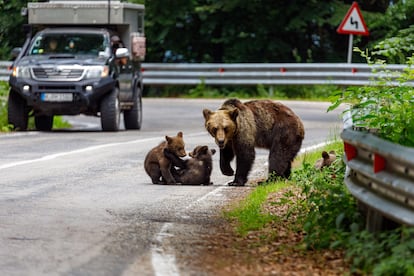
326 160
196 170
158 166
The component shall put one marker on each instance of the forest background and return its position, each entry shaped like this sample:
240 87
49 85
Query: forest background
259 31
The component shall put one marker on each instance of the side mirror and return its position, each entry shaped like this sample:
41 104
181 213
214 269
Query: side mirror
122 53
15 52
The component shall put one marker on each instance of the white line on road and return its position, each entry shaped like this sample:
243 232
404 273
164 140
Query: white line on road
163 262
92 148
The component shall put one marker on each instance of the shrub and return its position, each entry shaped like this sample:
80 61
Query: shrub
381 107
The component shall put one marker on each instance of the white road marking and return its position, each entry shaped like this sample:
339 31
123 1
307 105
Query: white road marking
163 263
314 147
83 150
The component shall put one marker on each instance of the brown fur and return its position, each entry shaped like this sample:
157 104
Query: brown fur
240 127
159 167
326 160
196 170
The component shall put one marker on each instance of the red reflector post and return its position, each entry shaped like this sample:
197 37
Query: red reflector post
221 70
379 163
282 70
350 151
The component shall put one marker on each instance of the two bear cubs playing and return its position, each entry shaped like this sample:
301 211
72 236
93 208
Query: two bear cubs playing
161 162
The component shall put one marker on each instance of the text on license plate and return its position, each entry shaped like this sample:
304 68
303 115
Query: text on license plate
57 97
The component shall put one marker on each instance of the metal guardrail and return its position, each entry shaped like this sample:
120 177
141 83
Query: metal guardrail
4 70
263 73
240 74
380 174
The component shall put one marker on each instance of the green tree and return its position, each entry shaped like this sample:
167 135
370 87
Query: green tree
11 26
396 28
251 31
248 31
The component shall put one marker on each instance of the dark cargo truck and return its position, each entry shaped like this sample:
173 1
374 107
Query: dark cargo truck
84 59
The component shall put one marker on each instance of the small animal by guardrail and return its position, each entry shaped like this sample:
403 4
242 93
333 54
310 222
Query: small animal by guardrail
326 160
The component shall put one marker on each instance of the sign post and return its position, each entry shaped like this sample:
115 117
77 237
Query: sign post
353 24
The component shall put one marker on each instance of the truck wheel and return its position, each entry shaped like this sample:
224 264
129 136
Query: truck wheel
18 114
44 123
110 111
133 116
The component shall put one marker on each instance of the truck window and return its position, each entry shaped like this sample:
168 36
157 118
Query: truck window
74 44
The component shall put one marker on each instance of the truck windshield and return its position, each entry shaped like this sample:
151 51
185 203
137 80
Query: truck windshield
73 44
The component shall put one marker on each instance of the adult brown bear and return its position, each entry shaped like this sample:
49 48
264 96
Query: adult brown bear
240 127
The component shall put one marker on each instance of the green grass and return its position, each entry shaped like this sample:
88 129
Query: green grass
249 213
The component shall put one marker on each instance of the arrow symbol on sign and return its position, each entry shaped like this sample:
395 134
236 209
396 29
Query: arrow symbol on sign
354 22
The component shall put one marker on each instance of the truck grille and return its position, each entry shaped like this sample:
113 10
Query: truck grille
58 74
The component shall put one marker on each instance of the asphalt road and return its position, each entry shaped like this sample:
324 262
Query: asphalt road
78 202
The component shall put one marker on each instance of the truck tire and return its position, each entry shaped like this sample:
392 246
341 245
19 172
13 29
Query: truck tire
110 111
18 113
44 123
133 116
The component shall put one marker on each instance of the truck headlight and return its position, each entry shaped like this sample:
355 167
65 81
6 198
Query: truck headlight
94 72
21 72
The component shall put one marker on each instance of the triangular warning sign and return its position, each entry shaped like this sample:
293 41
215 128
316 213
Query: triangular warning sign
353 22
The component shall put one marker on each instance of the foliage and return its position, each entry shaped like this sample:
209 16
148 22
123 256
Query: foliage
329 217
396 49
396 30
385 109
11 26
387 253
3 107
259 31
328 213
249 213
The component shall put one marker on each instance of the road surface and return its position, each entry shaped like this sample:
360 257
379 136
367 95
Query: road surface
78 202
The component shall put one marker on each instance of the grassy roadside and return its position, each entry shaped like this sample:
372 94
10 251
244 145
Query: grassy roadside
316 211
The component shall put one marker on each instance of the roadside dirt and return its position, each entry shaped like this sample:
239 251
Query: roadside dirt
274 250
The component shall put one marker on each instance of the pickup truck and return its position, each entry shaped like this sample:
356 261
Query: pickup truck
71 69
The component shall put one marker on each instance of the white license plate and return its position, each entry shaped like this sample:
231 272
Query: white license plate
57 97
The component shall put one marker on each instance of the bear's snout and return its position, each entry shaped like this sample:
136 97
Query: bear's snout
220 143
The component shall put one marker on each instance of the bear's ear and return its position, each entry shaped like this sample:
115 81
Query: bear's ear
207 113
168 139
203 149
180 134
233 114
213 151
